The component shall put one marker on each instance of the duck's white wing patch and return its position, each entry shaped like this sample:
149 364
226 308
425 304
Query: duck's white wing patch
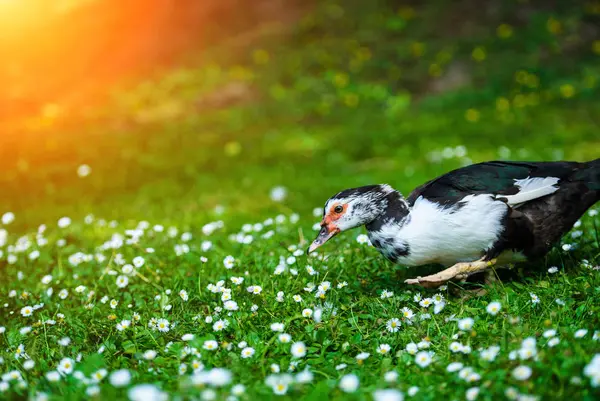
530 189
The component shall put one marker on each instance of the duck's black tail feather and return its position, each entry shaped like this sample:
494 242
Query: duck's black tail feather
592 175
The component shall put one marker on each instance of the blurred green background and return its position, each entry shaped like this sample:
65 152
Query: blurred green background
177 107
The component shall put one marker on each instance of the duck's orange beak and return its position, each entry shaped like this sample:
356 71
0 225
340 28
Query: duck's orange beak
328 231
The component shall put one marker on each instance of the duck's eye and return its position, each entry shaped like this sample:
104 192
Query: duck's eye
338 209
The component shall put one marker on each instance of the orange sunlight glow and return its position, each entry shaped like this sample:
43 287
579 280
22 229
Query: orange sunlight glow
60 55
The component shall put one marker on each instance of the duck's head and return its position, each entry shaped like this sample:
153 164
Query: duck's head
349 209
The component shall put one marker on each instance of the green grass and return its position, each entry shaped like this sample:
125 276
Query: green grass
332 106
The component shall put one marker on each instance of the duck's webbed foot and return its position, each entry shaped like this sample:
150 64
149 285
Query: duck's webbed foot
459 271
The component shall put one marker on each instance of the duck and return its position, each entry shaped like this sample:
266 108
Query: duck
470 219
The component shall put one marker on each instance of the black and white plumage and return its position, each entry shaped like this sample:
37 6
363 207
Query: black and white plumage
475 216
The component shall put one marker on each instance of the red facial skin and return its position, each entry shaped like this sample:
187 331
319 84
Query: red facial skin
328 227
331 217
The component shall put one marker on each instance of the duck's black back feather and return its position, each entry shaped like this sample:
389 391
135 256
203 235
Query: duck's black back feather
494 177
537 225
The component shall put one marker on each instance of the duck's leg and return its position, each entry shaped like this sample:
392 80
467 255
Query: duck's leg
459 271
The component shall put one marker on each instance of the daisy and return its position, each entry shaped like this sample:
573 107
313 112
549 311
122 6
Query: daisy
393 325
124 324
423 358
219 325
53 376
426 302
247 352
592 371
162 325
278 194
438 298
472 393
391 376
120 378
384 348
456 347
255 289
183 295
230 305
226 295
310 270
521 372
122 281
465 372
412 348
388 395
210 345
407 313
362 356
534 298
386 294
285 338
493 308
98 375
279 383
526 353
362 238
465 324
454 367
305 376
511 393
238 390
150 355
298 349
27 311
549 333
229 262
197 366
580 333
20 352
65 366
143 392
349 383
307 312
182 369
490 353
277 327
64 222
